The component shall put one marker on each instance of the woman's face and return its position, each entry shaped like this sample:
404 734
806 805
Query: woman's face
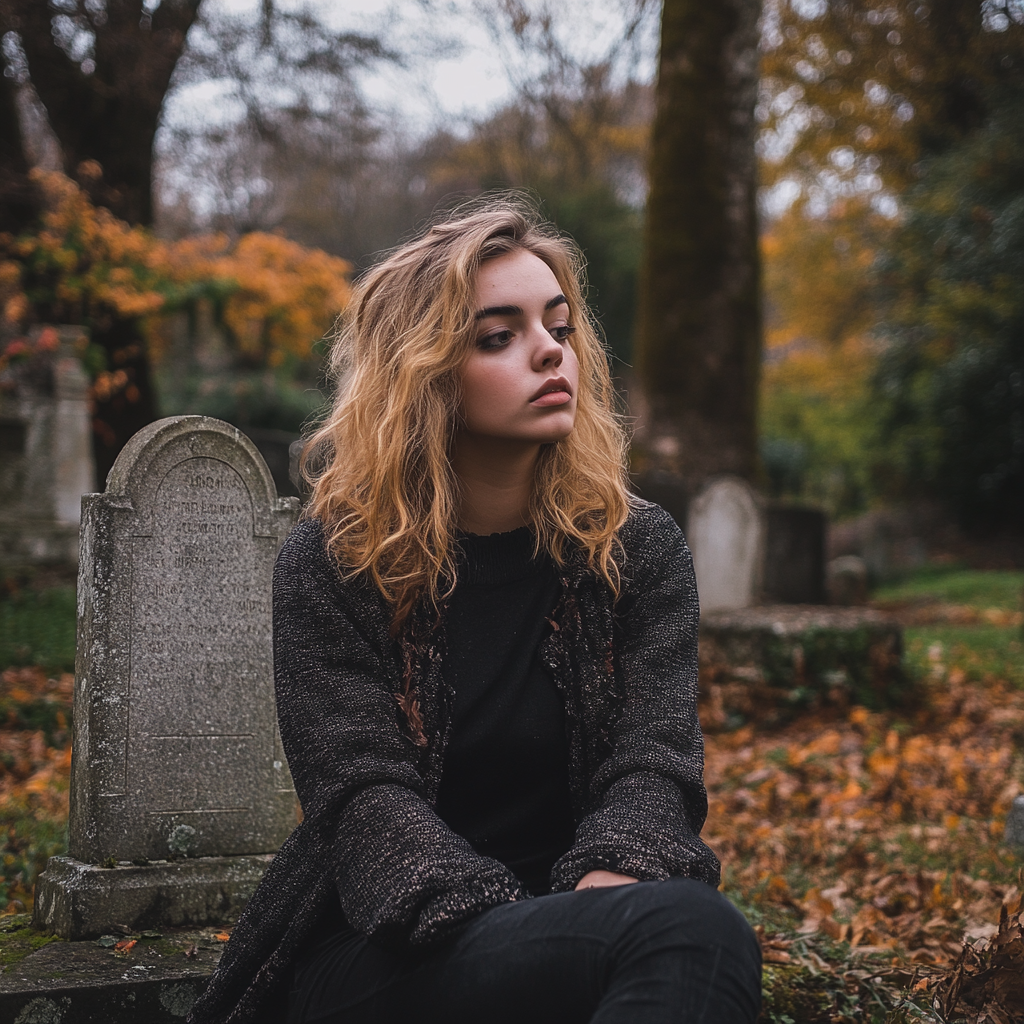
521 378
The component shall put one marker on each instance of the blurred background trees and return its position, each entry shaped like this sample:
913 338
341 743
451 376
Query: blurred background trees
951 378
250 165
84 88
888 138
91 80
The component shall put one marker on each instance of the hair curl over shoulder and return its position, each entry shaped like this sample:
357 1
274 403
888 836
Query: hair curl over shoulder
387 494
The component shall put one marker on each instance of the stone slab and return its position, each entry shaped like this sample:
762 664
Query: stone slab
83 901
82 983
844 654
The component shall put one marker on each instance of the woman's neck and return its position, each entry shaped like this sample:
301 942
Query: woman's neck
497 483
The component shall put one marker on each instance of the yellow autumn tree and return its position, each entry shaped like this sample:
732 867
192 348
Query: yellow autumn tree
82 265
816 421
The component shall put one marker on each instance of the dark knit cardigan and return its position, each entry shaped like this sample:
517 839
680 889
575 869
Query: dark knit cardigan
365 720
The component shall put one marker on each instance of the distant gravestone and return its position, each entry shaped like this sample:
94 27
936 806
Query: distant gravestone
794 656
1013 834
725 531
46 462
794 557
846 579
178 780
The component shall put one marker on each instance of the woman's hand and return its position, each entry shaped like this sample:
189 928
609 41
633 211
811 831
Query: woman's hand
601 879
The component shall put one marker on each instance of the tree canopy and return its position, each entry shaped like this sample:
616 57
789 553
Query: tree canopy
855 92
951 382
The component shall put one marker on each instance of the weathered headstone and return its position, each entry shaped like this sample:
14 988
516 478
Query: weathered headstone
794 555
725 530
178 778
46 462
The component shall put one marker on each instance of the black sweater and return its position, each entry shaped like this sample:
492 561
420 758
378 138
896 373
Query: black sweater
365 722
505 781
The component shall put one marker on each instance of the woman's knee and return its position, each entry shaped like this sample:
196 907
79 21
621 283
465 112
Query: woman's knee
683 911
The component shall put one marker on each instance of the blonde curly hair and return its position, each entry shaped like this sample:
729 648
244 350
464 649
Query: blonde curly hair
387 494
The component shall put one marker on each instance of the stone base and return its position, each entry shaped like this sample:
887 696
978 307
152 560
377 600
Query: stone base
803 654
82 983
83 901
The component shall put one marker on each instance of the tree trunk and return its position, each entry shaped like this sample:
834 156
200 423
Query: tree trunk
698 345
17 202
119 416
110 115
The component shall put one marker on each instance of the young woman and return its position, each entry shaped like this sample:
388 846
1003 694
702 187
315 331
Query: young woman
486 663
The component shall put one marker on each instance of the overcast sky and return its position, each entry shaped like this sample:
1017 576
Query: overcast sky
465 84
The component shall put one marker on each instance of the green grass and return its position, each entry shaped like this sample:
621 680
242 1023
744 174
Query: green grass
27 842
981 649
38 628
955 585
978 650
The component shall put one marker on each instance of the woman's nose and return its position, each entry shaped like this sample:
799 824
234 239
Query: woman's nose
547 352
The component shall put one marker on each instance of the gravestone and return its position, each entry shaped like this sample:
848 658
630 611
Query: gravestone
179 786
46 462
846 579
1013 835
794 556
725 531
779 659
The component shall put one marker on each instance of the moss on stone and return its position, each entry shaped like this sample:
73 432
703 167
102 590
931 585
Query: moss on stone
804 655
18 944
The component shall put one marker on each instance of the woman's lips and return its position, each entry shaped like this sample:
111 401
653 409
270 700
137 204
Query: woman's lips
552 398
556 391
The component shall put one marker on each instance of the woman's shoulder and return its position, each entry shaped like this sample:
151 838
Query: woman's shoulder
305 563
648 527
305 548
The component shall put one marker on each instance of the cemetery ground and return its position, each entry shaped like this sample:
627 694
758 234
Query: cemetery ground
864 844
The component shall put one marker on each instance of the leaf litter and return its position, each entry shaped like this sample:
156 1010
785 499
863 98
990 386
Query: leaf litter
867 847
864 845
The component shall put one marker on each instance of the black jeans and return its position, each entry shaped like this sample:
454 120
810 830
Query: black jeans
648 953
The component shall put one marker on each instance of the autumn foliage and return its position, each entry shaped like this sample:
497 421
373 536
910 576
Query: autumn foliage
851 89
82 265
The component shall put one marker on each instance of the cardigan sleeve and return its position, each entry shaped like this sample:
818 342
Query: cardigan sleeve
650 791
401 874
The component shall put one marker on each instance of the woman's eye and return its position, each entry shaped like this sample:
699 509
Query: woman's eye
499 339
563 332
